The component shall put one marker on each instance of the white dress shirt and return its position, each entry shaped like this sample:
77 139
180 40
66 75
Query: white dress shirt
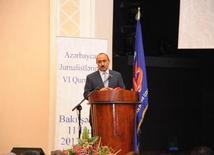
104 76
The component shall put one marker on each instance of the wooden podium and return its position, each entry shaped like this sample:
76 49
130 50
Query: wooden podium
113 118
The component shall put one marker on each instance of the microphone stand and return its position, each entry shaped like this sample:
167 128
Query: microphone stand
79 107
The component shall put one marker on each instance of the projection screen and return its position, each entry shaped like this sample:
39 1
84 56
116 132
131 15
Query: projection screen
196 24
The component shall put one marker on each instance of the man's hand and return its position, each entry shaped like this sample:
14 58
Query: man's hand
106 88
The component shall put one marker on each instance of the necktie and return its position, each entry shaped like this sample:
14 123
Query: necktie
105 77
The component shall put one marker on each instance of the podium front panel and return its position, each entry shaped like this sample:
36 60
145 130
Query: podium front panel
113 118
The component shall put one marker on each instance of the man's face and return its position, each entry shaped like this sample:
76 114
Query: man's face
102 62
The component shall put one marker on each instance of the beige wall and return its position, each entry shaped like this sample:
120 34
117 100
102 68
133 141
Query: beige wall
104 21
24 74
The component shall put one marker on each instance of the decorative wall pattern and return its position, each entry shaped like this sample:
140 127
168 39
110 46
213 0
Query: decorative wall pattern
68 18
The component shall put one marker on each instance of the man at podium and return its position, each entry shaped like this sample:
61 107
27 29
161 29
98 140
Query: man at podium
103 78
110 108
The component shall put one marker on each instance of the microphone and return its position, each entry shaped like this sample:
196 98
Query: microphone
100 86
105 82
110 76
97 88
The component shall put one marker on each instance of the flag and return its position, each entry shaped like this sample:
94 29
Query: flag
139 81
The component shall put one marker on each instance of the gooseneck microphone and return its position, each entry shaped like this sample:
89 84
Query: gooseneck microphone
96 88
99 86
109 76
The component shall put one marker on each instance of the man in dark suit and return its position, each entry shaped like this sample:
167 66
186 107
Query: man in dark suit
104 78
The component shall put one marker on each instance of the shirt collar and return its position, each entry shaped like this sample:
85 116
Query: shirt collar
101 72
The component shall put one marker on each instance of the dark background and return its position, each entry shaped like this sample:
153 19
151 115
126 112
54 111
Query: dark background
180 82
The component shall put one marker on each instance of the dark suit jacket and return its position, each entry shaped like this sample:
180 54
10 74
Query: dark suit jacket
94 80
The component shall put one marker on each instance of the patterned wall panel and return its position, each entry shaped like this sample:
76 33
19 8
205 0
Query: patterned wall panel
69 18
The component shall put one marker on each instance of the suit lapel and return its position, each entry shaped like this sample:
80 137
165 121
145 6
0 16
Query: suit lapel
110 80
99 79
